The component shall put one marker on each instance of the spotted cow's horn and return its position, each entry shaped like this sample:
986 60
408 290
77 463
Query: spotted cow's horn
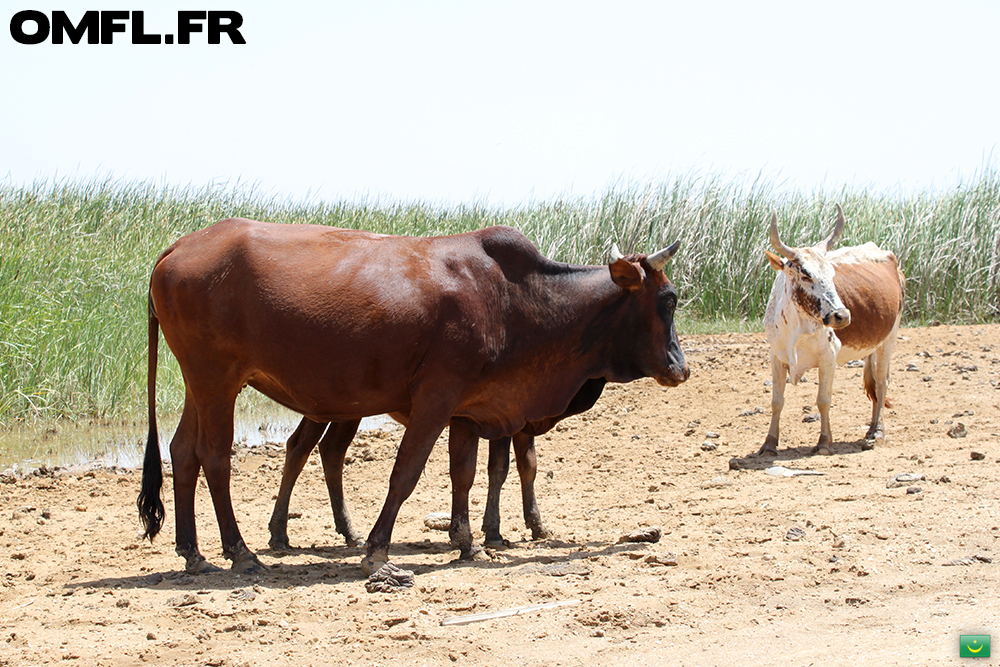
838 227
616 254
659 259
780 247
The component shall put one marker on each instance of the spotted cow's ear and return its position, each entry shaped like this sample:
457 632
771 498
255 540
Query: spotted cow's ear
626 275
777 263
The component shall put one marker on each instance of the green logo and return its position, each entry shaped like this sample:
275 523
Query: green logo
974 646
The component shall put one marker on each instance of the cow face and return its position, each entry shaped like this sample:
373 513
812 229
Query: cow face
654 338
810 276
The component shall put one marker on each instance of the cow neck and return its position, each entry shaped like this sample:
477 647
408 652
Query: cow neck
590 315
790 326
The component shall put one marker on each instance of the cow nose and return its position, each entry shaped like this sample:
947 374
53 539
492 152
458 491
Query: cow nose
838 319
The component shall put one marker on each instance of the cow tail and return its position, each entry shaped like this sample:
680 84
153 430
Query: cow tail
870 381
150 505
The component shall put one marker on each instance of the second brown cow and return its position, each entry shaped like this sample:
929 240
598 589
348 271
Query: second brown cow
477 329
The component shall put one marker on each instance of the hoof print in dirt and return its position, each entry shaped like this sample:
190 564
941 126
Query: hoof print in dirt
389 579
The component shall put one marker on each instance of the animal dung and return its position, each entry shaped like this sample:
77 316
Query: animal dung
650 534
389 579
438 521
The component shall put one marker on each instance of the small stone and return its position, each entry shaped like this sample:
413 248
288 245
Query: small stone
904 479
912 368
243 595
795 534
977 456
712 435
709 446
667 559
856 363
716 483
958 431
913 490
185 600
809 419
150 636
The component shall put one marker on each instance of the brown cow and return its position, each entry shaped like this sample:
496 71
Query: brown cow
478 329
828 307
333 449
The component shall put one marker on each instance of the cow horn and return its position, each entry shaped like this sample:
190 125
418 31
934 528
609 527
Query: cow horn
838 227
659 260
616 254
782 249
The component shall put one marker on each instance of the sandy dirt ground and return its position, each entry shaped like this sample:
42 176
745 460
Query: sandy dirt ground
750 569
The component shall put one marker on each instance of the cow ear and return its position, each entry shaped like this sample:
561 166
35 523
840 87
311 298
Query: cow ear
777 263
626 275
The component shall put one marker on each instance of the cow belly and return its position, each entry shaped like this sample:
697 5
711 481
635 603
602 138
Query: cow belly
852 354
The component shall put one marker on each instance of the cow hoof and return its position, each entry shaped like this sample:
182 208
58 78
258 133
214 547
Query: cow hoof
822 449
280 545
474 554
496 543
357 543
767 449
200 566
372 564
867 444
541 533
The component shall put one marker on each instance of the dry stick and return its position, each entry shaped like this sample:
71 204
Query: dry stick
503 613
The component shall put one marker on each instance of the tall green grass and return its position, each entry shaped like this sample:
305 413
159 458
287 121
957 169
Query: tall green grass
75 259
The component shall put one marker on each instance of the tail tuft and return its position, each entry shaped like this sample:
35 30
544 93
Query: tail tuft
150 505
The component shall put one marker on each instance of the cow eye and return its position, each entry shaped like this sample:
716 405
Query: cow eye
804 275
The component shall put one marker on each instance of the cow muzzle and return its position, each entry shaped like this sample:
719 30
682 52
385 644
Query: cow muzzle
675 375
838 319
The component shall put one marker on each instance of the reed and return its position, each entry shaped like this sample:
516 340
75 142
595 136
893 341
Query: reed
75 259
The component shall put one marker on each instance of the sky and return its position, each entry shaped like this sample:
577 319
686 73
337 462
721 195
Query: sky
511 102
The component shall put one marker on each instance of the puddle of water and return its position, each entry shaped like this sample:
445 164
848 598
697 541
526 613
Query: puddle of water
70 445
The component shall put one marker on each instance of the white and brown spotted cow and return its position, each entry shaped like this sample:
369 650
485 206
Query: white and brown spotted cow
828 307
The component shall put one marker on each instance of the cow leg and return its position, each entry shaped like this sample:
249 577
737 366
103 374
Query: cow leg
827 368
527 469
462 448
300 444
418 440
877 367
333 450
498 467
185 466
215 443
779 376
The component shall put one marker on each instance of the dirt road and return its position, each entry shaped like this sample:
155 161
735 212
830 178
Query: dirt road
751 568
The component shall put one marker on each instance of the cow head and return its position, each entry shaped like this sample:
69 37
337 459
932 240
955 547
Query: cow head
810 276
653 348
